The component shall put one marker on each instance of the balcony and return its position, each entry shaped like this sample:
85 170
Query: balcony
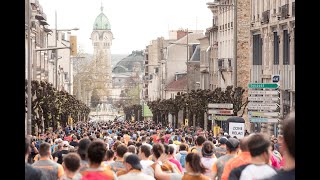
284 11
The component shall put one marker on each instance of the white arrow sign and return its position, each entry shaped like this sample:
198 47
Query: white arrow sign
263 98
264 120
259 106
217 111
252 92
226 106
263 114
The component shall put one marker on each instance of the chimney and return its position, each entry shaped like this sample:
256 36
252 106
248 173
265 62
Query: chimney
181 33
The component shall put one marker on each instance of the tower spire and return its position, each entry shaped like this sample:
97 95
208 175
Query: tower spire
101 6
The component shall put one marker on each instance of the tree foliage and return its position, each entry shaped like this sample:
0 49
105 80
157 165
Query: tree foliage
53 106
196 103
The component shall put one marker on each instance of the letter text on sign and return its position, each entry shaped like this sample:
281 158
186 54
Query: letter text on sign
236 129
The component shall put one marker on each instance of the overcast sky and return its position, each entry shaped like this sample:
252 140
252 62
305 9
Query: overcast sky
134 23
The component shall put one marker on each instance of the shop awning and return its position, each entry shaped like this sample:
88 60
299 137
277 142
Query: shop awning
146 111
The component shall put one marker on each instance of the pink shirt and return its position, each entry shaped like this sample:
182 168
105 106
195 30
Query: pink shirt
177 163
274 162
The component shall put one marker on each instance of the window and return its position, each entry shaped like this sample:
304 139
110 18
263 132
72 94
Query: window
257 49
286 48
275 48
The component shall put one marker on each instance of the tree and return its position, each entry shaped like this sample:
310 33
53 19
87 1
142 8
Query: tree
95 99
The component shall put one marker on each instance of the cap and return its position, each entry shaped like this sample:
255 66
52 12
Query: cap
134 161
223 140
233 143
225 134
65 144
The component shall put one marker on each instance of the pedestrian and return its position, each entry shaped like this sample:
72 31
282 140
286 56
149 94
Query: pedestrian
288 148
260 150
31 173
232 145
118 164
222 148
208 158
195 169
96 153
242 158
51 169
82 151
133 168
144 155
109 157
59 155
181 156
71 166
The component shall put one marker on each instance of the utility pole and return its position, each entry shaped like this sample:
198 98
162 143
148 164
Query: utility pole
56 51
235 41
29 124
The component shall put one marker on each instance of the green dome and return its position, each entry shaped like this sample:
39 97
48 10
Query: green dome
101 22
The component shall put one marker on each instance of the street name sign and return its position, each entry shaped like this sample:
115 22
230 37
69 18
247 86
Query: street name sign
264 120
225 106
263 114
263 86
261 92
258 106
217 111
221 118
258 98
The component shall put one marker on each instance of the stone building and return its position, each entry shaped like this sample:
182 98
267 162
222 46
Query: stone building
272 33
221 42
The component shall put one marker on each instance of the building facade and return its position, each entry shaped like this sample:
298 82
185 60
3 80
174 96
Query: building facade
272 45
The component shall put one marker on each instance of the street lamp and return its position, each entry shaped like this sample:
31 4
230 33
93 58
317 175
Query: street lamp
235 41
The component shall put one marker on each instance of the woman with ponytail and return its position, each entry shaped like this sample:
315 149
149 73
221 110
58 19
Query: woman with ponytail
195 169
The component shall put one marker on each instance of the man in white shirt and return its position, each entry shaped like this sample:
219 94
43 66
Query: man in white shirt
144 154
134 167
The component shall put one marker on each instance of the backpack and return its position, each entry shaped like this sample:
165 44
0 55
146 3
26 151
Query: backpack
183 160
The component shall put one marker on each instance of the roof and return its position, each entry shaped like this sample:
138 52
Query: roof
178 85
136 58
101 22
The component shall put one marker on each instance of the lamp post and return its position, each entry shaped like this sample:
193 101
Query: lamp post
235 41
29 73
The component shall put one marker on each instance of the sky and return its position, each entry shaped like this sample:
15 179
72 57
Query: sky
134 23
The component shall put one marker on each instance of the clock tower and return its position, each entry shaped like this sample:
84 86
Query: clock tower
101 37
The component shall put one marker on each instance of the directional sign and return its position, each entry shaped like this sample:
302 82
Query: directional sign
264 120
217 111
264 114
259 106
256 98
260 92
226 106
263 85
221 118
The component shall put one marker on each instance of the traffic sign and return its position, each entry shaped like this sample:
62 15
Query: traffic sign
264 120
264 114
264 98
221 118
217 111
260 92
226 106
263 85
259 106
275 78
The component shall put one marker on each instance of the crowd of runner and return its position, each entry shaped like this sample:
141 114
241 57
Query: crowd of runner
144 150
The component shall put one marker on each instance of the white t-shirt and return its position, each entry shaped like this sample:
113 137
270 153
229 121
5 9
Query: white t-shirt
208 163
257 172
145 164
